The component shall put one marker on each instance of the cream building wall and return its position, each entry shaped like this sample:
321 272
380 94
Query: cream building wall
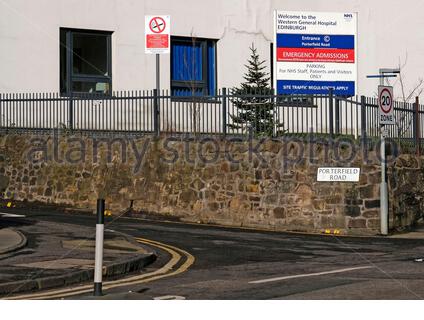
389 31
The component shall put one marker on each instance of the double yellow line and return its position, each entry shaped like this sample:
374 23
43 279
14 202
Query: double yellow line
166 271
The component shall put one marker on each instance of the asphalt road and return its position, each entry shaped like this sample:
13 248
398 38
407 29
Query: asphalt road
244 264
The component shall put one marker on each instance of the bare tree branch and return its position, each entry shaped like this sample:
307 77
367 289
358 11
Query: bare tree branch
404 122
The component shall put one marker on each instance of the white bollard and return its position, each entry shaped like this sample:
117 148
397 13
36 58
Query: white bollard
98 262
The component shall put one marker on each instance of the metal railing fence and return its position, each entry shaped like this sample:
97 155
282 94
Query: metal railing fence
229 112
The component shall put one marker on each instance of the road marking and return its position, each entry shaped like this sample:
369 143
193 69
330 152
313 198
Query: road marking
310 274
163 272
11 215
169 298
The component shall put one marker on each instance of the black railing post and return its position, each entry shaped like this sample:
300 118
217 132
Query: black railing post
331 112
417 128
71 112
1 113
156 115
337 114
224 111
274 113
363 124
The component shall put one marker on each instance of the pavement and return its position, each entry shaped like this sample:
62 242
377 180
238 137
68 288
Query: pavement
417 233
11 240
409 235
45 254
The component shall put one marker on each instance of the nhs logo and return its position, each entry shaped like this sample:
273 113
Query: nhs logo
348 16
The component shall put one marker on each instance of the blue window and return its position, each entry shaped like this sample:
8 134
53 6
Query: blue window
193 67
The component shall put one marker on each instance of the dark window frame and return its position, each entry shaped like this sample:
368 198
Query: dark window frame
66 87
195 84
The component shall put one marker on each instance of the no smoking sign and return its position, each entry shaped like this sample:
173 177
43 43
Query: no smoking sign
157 25
385 105
157 30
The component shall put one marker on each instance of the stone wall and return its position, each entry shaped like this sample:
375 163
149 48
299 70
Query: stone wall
406 187
262 183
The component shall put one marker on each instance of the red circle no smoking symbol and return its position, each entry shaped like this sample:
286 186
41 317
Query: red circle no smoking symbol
386 101
157 25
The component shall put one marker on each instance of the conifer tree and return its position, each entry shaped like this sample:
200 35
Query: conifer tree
252 99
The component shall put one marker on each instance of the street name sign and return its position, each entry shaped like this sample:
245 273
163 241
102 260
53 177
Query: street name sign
157 31
385 105
333 174
315 52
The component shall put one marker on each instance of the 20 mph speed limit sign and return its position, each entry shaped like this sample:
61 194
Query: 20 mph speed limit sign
385 105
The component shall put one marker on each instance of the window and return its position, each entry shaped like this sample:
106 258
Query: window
193 66
85 61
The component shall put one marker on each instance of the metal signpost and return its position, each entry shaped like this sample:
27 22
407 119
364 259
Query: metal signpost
157 39
315 52
385 116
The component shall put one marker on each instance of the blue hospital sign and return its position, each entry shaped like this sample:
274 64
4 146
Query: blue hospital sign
315 51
